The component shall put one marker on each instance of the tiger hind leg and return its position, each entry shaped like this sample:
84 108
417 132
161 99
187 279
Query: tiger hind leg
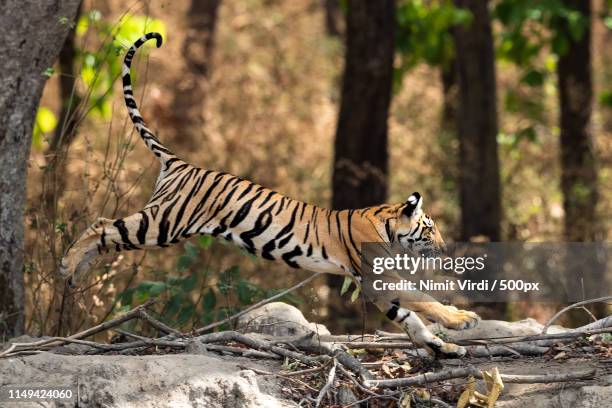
105 236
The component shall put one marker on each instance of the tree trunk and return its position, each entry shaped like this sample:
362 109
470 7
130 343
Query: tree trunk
578 167
578 171
32 34
197 50
360 156
479 183
479 179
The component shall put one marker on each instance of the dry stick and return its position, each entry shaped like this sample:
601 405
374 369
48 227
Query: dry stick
302 372
157 324
565 309
330 381
547 378
484 350
244 352
467 371
58 341
150 341
256 305
352 364
262 372
348 375
228 336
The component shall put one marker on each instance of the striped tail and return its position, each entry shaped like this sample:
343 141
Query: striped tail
149 138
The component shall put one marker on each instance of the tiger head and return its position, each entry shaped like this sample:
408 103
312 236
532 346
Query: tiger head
416 231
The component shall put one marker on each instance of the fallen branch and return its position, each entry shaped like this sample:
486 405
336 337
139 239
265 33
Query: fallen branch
244 352
58 341
229 336
548 378
427 378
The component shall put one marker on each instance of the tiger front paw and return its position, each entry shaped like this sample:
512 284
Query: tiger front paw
454 318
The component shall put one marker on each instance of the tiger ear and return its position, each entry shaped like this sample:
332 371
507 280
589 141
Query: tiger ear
413 205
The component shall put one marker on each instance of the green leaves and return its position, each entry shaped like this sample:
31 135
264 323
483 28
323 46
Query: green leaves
533 77
423 33
605 98
346 285
100 68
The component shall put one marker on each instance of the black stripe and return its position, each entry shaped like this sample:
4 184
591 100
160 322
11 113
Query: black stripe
285 241
243 212
268 197
323 252
288 257
261 224
179 216
123 231
142 228
390 236
246 191
392 313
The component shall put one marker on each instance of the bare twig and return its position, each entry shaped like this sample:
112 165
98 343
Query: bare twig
244 352
575 305
302 372
157 324
283 376
58 341
328 384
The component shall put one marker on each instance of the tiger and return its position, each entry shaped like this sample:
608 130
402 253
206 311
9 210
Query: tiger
188 201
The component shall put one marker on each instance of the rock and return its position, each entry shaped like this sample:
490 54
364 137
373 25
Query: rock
175 380
279 319
496 328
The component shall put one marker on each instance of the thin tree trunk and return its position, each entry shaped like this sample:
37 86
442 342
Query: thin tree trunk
479 182
578 170
360 156
578 167
447 137
32 34
479 178
333 18
65 133
189 101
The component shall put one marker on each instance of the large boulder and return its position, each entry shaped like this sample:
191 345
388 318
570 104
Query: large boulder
279 319
174 380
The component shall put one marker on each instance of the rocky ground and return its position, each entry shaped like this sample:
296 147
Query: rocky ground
199 377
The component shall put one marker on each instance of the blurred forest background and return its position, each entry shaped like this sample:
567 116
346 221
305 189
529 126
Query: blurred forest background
499 112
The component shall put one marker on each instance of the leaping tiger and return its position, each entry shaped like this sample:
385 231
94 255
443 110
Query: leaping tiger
188 200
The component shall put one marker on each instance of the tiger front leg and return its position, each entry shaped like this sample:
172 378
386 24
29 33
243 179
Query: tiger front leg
413 326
